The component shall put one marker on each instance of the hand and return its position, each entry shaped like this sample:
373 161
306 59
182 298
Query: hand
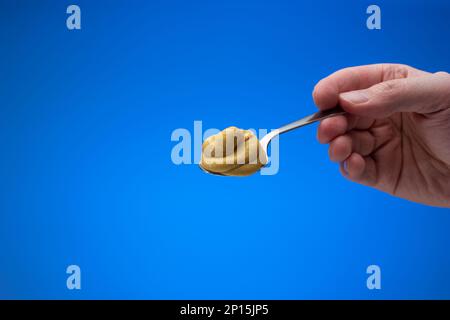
396 137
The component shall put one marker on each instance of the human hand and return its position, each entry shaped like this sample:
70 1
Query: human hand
396 136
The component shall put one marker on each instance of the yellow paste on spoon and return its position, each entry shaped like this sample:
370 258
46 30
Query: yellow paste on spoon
233 152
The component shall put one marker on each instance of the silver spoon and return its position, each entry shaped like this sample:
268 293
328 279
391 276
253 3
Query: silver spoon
318 116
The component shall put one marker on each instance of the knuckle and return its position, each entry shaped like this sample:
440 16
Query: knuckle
443 79
395 71
445 76
442 73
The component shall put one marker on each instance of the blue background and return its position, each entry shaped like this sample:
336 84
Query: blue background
85 152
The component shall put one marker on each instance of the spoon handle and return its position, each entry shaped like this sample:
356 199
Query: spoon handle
300 123
312 118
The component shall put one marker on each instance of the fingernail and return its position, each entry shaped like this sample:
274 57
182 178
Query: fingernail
355 97
344 167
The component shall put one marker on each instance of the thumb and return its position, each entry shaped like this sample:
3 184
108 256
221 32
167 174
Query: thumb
423 95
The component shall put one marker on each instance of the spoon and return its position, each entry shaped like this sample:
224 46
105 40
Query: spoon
318 116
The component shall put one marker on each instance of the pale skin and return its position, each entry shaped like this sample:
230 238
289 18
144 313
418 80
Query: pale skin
396 136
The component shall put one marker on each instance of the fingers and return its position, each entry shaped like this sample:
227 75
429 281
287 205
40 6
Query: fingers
363 142
326 92
426 94
360 123
352 142
359 169
340 148
332 127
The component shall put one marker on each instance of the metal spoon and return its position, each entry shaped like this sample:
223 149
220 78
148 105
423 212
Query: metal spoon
318 116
